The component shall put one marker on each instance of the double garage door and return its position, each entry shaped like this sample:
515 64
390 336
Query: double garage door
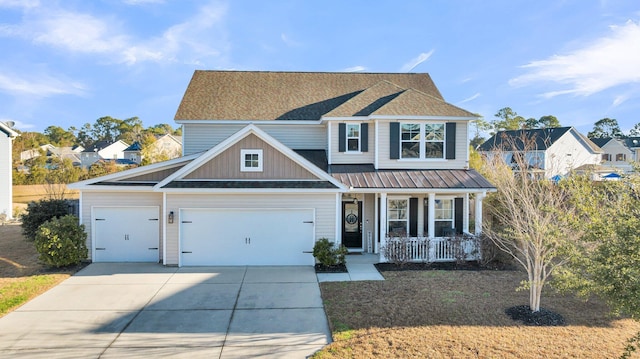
126 234
246 236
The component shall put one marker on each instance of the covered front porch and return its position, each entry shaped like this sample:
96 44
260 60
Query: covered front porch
408 219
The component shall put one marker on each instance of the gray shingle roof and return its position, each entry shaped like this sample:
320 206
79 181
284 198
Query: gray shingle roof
251 95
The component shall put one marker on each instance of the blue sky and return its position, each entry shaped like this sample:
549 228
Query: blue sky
70 62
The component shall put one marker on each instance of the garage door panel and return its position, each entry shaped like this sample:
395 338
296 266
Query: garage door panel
247 237
126 234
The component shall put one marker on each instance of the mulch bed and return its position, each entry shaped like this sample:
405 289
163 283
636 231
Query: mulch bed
541 318
338 268
393 267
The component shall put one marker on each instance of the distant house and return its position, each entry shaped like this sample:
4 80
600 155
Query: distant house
102 150
6 192
617 156
547 152
35 152
133 153
166 147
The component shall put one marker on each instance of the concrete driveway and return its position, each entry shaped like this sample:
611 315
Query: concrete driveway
115 310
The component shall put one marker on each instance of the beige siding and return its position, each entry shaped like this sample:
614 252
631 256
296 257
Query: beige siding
201 137
324 204
462 150
117 199
352 158
154 176
227 164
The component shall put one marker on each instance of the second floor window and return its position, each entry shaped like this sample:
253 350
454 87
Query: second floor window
422 141
606 157
621 157
353 137
251 160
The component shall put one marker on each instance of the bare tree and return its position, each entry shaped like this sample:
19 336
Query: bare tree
531 216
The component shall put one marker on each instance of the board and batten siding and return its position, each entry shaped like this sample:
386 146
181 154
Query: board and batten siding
118 199
324 204
227 164
202 137
5 176
460 162
338 157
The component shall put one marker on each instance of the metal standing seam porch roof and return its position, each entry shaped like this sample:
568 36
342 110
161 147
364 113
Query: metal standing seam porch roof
415 179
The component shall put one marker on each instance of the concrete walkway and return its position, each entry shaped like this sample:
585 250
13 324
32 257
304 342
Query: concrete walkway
359 267
146 310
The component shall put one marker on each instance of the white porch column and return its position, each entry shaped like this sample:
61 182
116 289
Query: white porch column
432 216
376 225
338 240
465 214
479 198
383 215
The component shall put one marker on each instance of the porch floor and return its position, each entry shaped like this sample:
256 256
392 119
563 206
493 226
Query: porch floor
359 267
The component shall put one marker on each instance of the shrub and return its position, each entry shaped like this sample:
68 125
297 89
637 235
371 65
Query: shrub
61 242
329 255
40 212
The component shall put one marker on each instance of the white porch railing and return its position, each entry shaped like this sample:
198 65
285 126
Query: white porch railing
427 250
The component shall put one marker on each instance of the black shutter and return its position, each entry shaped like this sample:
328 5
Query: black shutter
394 140
342 137
459 205
413 217
364 137
450 141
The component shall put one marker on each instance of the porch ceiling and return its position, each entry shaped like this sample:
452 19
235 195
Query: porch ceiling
418 179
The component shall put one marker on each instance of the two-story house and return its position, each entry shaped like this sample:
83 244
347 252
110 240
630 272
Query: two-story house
102 150
273 161
546 152
7 134
619 154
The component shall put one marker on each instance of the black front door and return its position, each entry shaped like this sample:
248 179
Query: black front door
351 224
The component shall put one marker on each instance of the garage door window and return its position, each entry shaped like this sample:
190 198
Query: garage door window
251 160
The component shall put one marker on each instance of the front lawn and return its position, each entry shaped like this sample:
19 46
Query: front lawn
460 314
22 277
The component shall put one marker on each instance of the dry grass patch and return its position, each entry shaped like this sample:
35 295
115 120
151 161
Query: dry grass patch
460 314
22 277
36 192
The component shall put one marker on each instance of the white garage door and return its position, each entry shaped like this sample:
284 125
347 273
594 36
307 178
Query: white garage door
126 234
247 237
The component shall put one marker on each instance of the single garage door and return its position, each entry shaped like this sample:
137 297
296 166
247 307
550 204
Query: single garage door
126 234
246 237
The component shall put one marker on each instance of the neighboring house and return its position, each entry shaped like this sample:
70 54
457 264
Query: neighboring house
35 152
7 134
166 147
133 153
547 152
274 161
617 156
102 150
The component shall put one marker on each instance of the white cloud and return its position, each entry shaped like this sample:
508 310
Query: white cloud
471 98
409 66
198 37
23 4
605 63
40 86
289 41
355 69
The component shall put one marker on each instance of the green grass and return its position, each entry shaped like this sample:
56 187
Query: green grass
15 294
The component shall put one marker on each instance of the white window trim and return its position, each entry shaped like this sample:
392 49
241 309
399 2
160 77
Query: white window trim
423 142
347 137
243 153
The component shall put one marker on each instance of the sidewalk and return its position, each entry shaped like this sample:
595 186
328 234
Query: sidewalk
359 267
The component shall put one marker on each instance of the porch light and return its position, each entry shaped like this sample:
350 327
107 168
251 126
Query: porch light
170 219
355 200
